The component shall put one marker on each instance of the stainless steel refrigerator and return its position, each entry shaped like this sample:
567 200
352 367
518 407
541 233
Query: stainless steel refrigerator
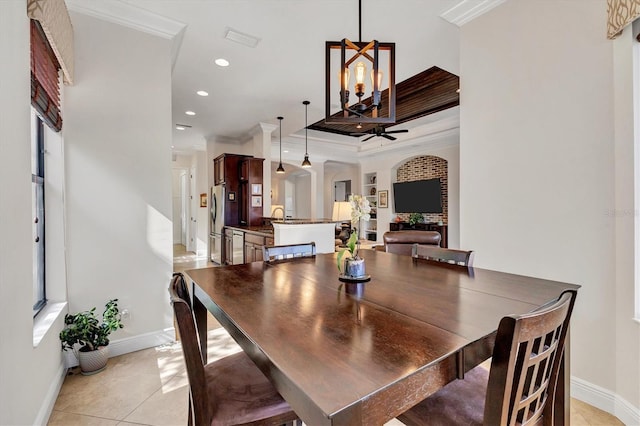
216 238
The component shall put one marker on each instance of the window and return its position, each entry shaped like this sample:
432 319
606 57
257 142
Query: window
37 179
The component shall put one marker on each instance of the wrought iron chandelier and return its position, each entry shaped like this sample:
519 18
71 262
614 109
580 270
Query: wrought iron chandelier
354 57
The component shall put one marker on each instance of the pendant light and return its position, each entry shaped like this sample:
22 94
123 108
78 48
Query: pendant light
280 169
306 163
354 59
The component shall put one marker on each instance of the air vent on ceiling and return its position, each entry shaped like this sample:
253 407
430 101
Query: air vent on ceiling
242 38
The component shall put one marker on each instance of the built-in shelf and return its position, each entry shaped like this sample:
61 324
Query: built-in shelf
370 191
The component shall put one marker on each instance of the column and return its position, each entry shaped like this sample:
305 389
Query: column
262 149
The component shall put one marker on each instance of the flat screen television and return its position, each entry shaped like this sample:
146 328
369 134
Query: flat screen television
418 196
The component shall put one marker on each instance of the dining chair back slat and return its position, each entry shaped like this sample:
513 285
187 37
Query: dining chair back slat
288 252
519 388
459 257
198 393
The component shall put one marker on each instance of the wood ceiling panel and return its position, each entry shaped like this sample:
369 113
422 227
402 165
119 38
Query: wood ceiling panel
425 93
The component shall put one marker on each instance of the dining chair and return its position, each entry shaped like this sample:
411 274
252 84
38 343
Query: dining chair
520 385
401 242
230 390
288 252
459 257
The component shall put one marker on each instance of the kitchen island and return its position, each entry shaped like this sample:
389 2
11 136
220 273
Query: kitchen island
297 231
243 244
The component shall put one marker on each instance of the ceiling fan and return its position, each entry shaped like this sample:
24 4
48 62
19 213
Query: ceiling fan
379 131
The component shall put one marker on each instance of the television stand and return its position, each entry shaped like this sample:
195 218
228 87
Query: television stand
405 226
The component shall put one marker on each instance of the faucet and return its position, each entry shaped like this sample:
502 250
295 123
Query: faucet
273 213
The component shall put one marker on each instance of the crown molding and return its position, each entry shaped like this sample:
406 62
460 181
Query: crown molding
262 128
467 10
121 13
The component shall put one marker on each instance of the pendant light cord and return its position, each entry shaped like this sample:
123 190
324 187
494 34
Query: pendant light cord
280 118
306 163
360 21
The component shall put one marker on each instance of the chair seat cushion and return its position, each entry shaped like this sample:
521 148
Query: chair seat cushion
460 402
243 394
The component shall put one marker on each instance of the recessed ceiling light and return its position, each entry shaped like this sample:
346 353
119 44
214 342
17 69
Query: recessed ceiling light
190 113
221 62
285 150
180 127
172 146
202 93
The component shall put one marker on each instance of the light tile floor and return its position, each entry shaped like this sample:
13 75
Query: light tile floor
149 387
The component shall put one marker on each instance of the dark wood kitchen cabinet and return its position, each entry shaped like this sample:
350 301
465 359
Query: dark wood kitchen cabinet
227 251
253 244
241 176
226 171
252 192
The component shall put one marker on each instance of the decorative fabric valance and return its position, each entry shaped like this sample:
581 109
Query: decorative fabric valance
56 24
620 13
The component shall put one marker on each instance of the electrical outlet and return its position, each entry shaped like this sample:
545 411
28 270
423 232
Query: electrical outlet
125 315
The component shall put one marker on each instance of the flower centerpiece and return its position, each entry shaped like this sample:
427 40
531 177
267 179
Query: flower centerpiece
354 264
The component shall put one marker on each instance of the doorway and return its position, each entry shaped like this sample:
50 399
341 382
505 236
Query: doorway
341 190
181 206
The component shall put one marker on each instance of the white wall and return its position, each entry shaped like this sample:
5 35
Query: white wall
303 196
118 172
537 167
21 401
626 64
176 202
202 213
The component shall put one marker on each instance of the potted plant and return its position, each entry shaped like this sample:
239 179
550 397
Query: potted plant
354 264
415 218
88 338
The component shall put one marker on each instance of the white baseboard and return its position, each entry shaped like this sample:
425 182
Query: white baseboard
42 418
130 344
605 400
142 341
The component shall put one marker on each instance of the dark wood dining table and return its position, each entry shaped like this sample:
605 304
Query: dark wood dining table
343 353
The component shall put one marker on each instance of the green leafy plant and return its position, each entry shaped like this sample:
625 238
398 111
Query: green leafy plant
352 249
360 209
86 330
415 218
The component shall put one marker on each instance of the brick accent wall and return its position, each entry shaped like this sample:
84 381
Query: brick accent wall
427 167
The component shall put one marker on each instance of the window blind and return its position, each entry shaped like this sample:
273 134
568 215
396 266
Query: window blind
45 86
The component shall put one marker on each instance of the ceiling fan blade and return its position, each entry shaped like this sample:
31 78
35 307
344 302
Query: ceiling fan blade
391 138
372 136
358 134
397 131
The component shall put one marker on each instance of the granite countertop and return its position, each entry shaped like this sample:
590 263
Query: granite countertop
266 231
302 221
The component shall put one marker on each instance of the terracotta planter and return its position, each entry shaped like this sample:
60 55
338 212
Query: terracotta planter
92 362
